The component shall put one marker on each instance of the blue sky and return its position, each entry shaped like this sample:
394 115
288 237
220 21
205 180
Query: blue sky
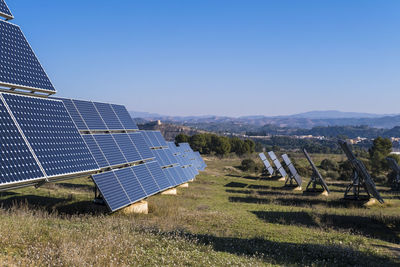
229 57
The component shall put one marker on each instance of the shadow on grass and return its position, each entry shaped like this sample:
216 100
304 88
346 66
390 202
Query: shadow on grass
236 185
305 202
366 226
261 193
233 175
244 191
249 199
62 206
250 177
85 187
285 253
259 187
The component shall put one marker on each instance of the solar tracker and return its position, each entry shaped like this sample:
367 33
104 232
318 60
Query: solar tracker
361 178
108 115
170 175
178 174
146 179
316 177
396 169
112 191
131 184
294 174
127 147
17 162
278 165
152 139
140 143
124 117
89 114
5 11
172 159
110 149
173 148
266 163
19 66
52 134
96 151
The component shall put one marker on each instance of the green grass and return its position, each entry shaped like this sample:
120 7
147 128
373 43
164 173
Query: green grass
225 217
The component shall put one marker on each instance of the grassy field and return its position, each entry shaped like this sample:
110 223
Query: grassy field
226 217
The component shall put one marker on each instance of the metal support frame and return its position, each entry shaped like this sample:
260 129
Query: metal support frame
354 190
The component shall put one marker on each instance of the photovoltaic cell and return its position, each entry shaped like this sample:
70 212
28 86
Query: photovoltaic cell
131 184
16 161
73 112
152 139
178 174
124 117
127 147
52 134
108 115
140 143
96 151
111 190
5 11
110 149
158 175
19 66
146 179
171 178
170 156
90 115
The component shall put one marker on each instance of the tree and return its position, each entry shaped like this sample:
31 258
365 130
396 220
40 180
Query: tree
181 138
380 149
251 144
220 145
198 142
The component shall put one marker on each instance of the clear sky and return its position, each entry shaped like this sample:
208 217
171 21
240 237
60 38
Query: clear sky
199 57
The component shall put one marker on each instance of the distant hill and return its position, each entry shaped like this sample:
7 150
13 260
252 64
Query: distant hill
305 120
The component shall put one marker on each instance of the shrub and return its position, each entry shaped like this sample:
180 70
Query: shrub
329 165
248 165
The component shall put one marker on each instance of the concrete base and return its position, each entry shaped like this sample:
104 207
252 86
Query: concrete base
172 192
140 207
186 185
370 202
298 188
191 181
282 179
325 193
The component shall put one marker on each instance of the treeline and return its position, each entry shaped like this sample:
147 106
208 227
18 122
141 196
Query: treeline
312 145
218 145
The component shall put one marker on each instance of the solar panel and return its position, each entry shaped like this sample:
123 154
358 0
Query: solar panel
152 138
266 163
277 163
17 163
170 176
316 177
5 11
52 135
146 179
158 175
90 115
361 177
108 115
110 149
172 147
73 112
19 66
160 138
96 151
111 189
124 117
140 143
127 147
180 174
131 184
294 174
172 159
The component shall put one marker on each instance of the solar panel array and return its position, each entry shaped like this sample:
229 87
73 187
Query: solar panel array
47 139
266 163
293 172
277 163
5 11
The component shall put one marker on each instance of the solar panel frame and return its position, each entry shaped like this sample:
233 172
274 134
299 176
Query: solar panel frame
277 163
292 169
5 10
18 61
